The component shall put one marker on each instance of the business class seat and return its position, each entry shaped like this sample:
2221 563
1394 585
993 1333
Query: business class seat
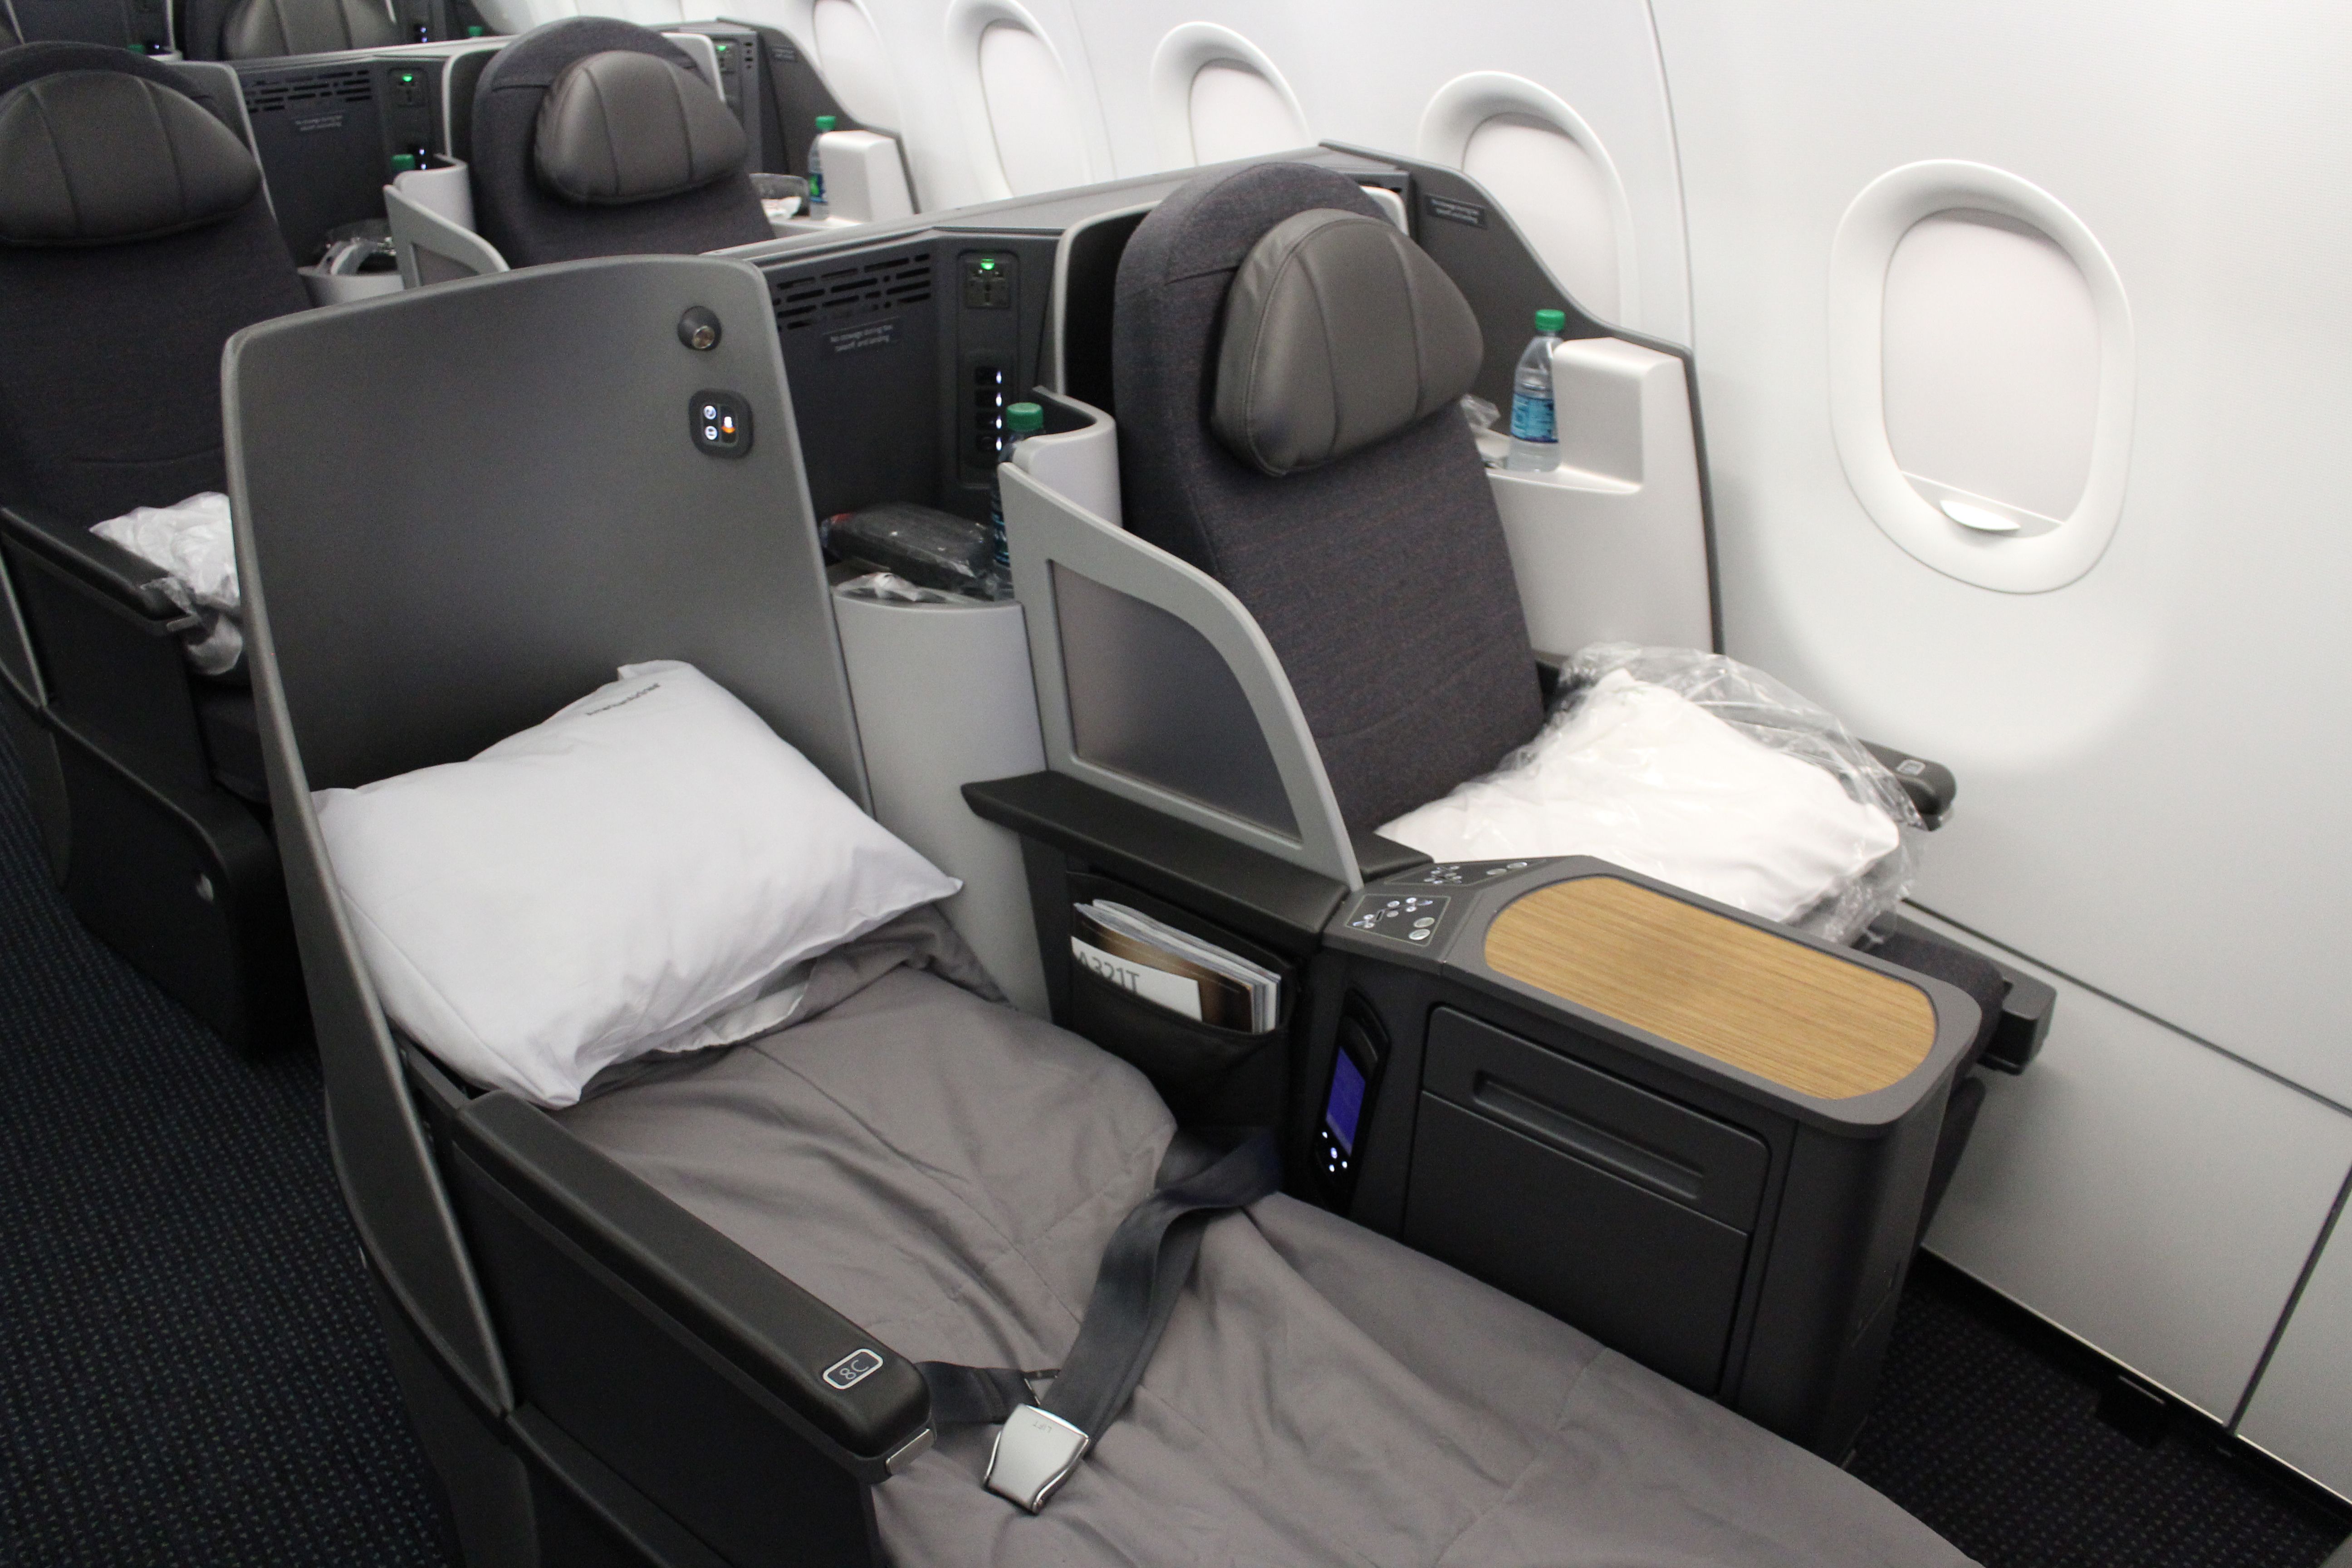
593 137
135 236
1308 533
615 1324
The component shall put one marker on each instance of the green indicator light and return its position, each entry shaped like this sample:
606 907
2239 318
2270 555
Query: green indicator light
723 48
987 264
406 78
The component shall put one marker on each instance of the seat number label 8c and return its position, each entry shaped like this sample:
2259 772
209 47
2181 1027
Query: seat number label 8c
852 1369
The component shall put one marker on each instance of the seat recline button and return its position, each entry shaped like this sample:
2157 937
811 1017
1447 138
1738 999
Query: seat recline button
720 423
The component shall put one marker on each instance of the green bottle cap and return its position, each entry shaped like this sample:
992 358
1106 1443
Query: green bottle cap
825 122
475 29
1551 321
1024 418
401 163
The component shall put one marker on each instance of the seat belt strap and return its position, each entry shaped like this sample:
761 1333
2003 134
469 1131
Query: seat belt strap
1143 1271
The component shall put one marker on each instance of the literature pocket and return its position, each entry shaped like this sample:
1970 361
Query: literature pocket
1189 1005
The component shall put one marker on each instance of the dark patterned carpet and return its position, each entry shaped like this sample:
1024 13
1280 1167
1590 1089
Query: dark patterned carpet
190 1370
1987 1427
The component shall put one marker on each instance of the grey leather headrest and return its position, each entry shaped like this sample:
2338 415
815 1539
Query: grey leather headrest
622 127
100 157
263 29
1339 332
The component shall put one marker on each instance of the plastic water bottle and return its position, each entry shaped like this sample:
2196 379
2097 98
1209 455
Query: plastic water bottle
1535 426
1022 420
817 202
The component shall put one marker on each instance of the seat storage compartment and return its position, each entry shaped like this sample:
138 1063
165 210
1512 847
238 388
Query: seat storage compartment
1205 1073
1617 1210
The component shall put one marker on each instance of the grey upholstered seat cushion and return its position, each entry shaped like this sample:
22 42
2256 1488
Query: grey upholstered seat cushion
514 208
98 157
945 1172
110 354
262 29
1381 577
1339 332
621 127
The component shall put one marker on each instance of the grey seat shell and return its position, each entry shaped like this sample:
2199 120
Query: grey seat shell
1381 577
532 219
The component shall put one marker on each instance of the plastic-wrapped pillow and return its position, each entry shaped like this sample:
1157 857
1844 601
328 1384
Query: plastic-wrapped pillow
649 871
1700 772
193 540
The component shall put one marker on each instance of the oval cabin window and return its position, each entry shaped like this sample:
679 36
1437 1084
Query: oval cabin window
1982 374
1034 124
1560 198
1991 366
1237 113
856 65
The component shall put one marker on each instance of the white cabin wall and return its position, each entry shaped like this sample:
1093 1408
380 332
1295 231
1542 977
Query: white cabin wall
2149 754
1365 74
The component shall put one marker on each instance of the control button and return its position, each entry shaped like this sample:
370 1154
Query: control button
1423 923
1516 865
722 423
1417 936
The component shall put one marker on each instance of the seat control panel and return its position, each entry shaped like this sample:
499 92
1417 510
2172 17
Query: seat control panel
1418 909
721 423
1462 873
1406 917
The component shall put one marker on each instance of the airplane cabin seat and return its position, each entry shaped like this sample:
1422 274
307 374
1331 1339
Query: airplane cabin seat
674 1323
135 237
593 137
1309 536
1380 575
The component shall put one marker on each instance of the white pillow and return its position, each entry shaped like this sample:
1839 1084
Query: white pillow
1646 779
645 871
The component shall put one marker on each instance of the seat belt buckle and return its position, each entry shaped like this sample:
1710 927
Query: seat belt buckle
1036 1452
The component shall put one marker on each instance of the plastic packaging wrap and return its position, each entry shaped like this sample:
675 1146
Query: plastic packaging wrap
928 547
1703 773
780 195
192 541
890 588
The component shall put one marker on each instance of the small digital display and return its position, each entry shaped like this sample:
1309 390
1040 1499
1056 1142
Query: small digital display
1346 1106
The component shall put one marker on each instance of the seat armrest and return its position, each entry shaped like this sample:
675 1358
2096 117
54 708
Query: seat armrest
98 566
736 1310
1931 785
2025 1003
1380 856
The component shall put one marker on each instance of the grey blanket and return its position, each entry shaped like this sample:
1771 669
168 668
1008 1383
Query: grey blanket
945 1171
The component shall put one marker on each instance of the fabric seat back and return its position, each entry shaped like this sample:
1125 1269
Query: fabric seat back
134 239
1377 569
578 154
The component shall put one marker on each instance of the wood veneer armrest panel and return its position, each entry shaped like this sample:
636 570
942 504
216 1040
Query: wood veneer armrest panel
1793 1015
